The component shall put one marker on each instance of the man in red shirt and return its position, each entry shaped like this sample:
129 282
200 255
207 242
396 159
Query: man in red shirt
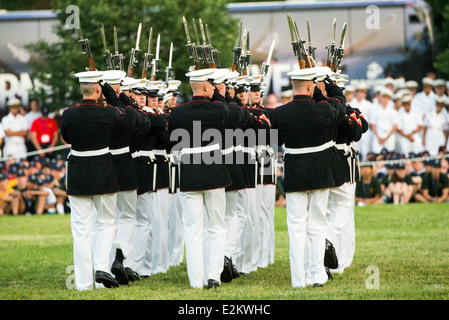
44 133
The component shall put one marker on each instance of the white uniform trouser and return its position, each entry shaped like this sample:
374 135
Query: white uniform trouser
214 203
176 238
144 235
264 195
250 236
83 237
159 221
270 195
339 212
350 228
231 220
125 238
306 222
237 255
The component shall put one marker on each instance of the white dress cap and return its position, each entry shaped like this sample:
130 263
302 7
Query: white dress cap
220 75
128 83
173 85
113 76
201 75
232 77
322 72
428 81
89 76
243 80
307 74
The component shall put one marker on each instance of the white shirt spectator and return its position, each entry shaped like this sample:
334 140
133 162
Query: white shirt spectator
14 145
409 122
435 124
384 120
2 136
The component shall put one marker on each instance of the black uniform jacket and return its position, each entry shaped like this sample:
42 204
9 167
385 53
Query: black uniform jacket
237 120
200 171
162 161
88 127
121 138
349 130
302 123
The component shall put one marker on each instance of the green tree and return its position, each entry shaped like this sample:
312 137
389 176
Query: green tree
440 17
55 64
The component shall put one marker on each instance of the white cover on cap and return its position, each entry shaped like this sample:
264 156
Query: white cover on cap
303 74
232 76
173 85
322 72
220 75
113 76
243 80
128 83
427 80
89 76
153 85
201 75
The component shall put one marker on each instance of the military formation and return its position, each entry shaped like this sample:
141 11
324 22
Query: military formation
149 179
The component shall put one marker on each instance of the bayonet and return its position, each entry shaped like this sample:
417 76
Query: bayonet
265 66
134 52
192 46
118 57
200 48
214 52
168 70
339 52
207 50
107 53
299 49
85 45
237 49
242 58
311 48
155 62
147 57
331 47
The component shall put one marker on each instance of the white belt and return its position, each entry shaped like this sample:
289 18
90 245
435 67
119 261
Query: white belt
160 152
90 153
147 153
249 150
135 154
228 150
115 152
238 148
322 147
343 146
199 149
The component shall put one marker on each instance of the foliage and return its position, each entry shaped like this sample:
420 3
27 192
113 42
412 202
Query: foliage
55 64
440 17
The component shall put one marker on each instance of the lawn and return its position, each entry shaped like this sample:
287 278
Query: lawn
406 246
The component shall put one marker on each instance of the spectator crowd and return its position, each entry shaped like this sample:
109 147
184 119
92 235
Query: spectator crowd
32 179
407 120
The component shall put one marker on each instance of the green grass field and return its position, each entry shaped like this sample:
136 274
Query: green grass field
407 244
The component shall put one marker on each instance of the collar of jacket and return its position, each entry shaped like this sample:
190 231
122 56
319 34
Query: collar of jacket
199 98
301 97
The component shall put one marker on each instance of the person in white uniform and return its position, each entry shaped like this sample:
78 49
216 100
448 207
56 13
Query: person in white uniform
366 108
384 123
410 127
435 129
16 130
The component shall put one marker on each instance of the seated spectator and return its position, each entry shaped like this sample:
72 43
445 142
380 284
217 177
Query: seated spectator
368 189
20 185
57 171
5 195
435 185
30 198
384 182
50 203
400 185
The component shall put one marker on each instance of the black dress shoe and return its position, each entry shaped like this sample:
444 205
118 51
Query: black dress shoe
329 274
132 275
211 283
317 285
226 274
106 279
119 272
145 276
235 273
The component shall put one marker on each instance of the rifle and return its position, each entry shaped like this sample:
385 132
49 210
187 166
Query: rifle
244 57
147 58
168 70
265 66
118 57
331 47
311 48
214 52
192 46
107 53
208 62
156 60
85 45
298 45
338 54
134 51
237 50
